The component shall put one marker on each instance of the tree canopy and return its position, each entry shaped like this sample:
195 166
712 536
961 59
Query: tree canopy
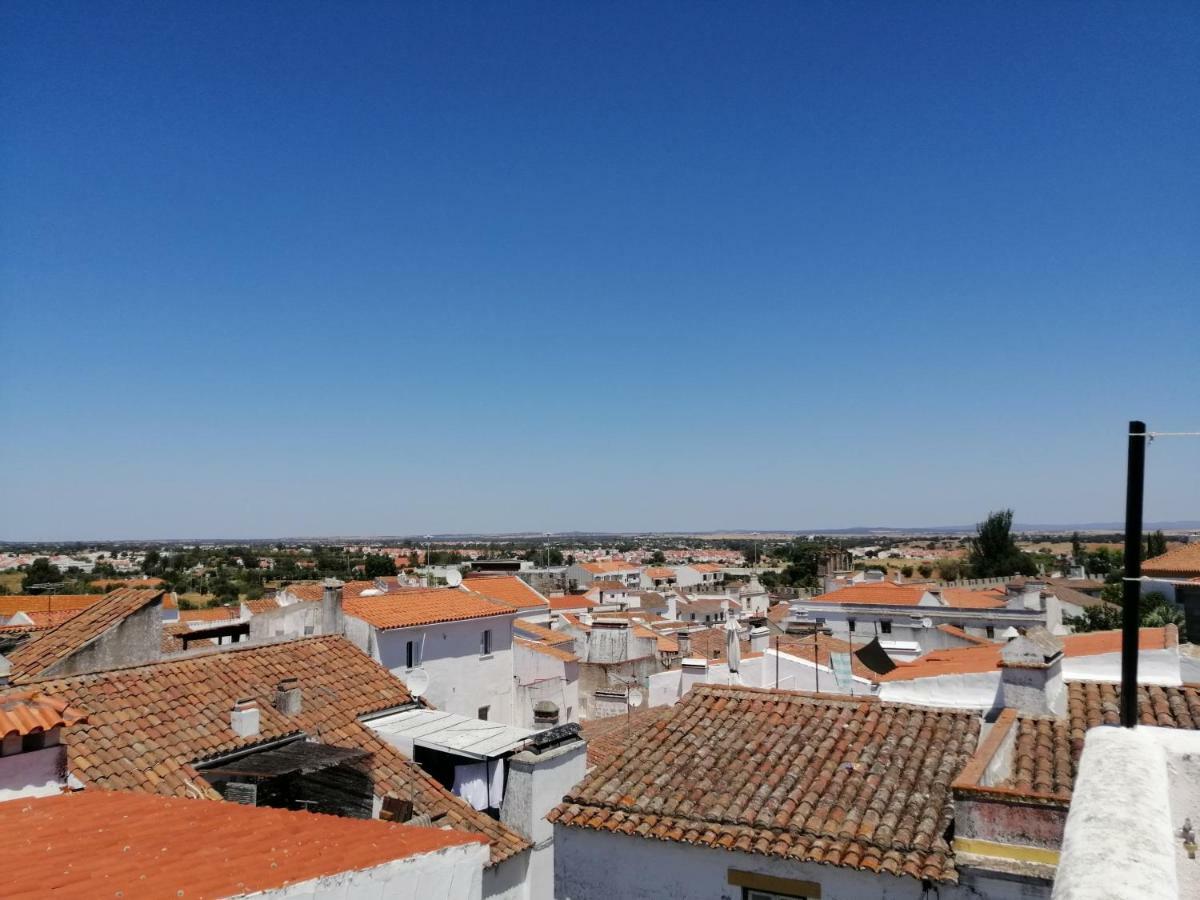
994 552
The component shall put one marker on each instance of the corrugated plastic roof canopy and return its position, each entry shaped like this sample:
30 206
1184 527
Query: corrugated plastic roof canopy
450 733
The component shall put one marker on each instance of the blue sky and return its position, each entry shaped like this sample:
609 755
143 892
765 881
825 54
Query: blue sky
284 269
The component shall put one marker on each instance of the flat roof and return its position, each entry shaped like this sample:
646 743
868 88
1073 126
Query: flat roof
436 729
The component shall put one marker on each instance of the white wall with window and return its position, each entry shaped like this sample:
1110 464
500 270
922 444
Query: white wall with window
469 662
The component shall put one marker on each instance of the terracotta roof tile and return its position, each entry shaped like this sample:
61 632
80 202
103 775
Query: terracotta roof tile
30 712
41 655
507 589
966 660
659 572
30 603
803 648
262 605
607 566
107 844
406 609
211 614
546 649
1182 562
847 781
957 632
607 738
148 724
571 601
1047 753
542 633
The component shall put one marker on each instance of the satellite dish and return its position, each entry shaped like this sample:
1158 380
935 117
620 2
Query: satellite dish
454 578
417 682
635 697
926 622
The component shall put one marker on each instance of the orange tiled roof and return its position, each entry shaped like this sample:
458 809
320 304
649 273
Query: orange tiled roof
707 567
406 609
109 584
659 572
605 566
41 655
148 724
803 648
1047 751
542 633
30 712
546 649
851 782
709 643
45 620
113 844
30 603
1182 561
607 737
261 605
210 614
964 598
986 657
962 635
306 593
507 589
876 592
571 601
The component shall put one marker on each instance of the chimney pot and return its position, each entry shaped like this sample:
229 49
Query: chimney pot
332 621
244 719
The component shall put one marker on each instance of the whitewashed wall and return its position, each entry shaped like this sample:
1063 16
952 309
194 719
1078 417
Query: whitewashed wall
450 872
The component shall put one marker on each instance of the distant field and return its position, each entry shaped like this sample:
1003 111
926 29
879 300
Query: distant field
12 581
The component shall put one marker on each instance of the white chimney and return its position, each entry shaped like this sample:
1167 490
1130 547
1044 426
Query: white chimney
244 718
695 671
1031 679
760 636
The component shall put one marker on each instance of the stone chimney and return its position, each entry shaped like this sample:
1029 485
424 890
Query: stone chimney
1024 595
288 698
244 718
685 643
1031 679
545 715
332 621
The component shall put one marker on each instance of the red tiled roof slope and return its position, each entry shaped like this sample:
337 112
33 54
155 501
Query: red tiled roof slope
1182 561
406 609
31 712
546 649
30 603
106 844
507 589
542 633
42 654
148 724
607 737
852 782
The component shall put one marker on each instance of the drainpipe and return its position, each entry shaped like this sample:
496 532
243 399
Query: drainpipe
1131 584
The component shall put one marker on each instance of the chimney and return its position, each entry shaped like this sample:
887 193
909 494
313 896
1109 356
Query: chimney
759 637
244 718
331 608
545 715
288 699
685 642
695 671
1031 679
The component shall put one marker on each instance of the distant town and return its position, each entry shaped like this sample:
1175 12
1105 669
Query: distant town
570 715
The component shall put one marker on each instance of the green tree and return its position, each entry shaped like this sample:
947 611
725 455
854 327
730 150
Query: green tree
925 570
659 558
379 565
152 563
949 569
1156 545
40 571
994 552
1076 548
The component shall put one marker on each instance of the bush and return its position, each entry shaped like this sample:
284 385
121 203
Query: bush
906 571
925 570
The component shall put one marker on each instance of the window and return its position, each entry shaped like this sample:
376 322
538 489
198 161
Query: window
410 654
991 632
485 642
885 627
309 629
850 623
482 713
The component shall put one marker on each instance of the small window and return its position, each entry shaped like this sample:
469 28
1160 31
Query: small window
309 629
482 714
991 632
410 654
485 642
885 627
850 624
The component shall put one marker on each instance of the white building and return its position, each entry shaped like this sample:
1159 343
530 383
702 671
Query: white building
461 640
582 574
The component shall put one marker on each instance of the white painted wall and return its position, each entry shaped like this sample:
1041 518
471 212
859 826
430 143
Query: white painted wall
600 865
460 680
542 677
450 872
794 674
38 773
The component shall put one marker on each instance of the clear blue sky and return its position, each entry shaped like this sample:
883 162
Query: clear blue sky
280 269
